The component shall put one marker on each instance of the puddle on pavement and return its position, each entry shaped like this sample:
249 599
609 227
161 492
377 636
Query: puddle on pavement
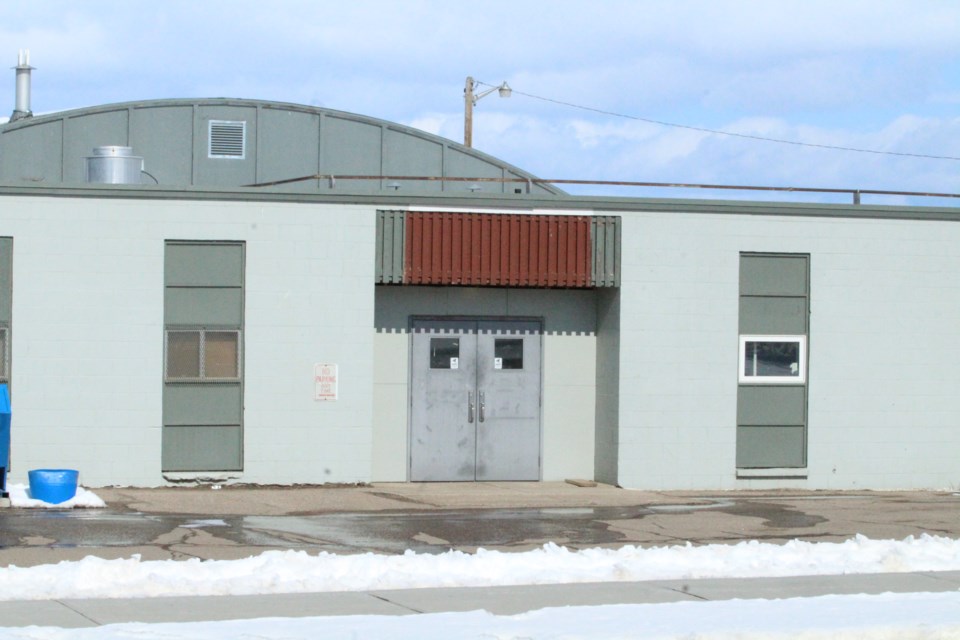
774 515
384 532
679 508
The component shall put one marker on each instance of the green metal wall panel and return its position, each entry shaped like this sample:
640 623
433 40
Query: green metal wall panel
163 137
773 275
352 148
235 171
192 448
35 154
605 232
773 315
6 307
279 159
203 265
282 142
462 164
391 235
772 404
772 418
405 155
203 307
202 404
6 280
770 447
83 133
527 186
202 422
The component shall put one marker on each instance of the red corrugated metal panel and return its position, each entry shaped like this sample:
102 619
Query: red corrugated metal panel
503 250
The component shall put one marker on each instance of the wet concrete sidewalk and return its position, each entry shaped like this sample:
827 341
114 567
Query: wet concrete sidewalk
237 522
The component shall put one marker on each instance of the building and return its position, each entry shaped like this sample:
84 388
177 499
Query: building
289 294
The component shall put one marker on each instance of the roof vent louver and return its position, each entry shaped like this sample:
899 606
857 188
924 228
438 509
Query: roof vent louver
227 139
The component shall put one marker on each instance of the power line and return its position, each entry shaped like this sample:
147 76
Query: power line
728 133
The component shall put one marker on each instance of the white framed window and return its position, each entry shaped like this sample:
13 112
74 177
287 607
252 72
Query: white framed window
4 358
211 355
773 359
227 139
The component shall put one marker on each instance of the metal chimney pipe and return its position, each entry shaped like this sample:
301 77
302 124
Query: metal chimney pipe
21 107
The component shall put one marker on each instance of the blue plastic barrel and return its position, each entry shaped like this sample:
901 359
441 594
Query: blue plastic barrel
53 485
4 438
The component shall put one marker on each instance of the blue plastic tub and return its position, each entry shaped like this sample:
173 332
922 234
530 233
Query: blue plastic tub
53 485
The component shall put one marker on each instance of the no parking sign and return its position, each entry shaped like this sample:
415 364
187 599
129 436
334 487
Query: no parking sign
325 381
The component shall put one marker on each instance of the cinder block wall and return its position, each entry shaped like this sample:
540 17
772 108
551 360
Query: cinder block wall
883 408
87 348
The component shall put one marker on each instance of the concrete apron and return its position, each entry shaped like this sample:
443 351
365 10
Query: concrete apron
237 522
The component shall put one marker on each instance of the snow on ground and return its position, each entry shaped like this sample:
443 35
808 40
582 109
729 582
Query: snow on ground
299 572
927 616
20 497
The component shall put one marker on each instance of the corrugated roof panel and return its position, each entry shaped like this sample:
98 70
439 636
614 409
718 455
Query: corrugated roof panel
476 249
506 250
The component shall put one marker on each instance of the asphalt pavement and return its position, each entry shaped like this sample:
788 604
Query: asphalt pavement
228 522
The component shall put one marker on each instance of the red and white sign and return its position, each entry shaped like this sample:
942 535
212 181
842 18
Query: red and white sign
325 381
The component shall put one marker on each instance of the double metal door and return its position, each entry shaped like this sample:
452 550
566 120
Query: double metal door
475 405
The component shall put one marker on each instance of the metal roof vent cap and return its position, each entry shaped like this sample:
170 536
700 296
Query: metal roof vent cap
112 164
21 108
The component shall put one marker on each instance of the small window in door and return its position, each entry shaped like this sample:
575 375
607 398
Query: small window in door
508 353
444 353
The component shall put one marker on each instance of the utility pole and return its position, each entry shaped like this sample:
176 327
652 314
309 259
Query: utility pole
468 102
470 99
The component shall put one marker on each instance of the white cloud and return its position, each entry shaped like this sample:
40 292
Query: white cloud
438 124
574 148
595 134
816 70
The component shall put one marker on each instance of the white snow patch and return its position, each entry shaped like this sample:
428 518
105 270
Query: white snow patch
916 616
196 524
299 572
20 497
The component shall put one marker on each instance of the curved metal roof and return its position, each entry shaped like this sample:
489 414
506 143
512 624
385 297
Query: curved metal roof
223 142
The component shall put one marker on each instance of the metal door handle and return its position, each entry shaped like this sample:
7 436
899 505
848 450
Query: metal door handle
470 406
482 406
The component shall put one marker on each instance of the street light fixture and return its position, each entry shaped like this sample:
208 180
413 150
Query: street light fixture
470 99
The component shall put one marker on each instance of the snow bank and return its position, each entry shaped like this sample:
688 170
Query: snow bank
298 572
20 497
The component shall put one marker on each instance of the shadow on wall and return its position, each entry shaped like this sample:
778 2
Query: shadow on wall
564 311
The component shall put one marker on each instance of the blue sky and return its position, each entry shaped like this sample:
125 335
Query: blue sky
871 74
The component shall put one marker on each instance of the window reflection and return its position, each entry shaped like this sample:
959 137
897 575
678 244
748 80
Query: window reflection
773 359
444 352
509 353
